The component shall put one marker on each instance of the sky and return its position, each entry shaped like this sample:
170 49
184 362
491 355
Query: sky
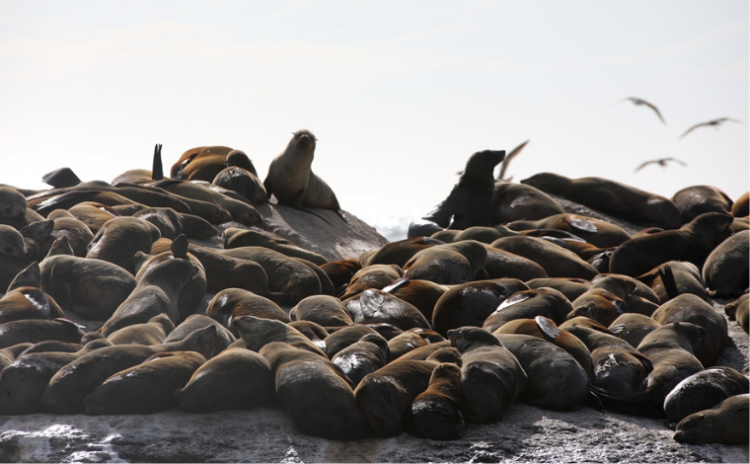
399 94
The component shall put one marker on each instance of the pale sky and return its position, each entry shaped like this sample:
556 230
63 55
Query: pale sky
399 94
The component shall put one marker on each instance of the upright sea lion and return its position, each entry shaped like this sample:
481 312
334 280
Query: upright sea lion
619 200
698 199
470 201
436 413
726 271
515 202
692 242
727 423
704 390
291 180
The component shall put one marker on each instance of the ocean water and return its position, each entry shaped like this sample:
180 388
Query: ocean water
391 224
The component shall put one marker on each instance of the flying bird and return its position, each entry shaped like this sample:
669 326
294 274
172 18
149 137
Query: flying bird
507 161
638 101
714 122
661 162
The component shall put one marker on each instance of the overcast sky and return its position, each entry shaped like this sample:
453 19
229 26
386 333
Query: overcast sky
399 94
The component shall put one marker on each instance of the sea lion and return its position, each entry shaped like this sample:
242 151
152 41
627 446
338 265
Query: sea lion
675 278
373 306
233 379
555 379
741 207
632 327
239 175
436 413
410 340
376 276
556 261
153 332
235 238
291 180
119 239
398 252
325 310
257 332
146 388
698 199
692 242
482 234
470 201
527 304
449 264
491 376
613 198
471 303
28 303
346 336
690 308
200 163
725 270
37 330
232 303
166 220
725 423
501 263
22 382
314 393
59 223
422 294
13 209
13 258
738 309
595 231
340 272
94 215
704 390
366 355
47 346
600 305
194 322
515 202
316 333
571 287
639 297
68 387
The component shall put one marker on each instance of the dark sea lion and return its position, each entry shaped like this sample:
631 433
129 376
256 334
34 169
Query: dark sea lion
67 389
471 303
52 346
571 287
741 207
619 200
527 304
197 322
257 332
491 376
698 199
449 264
200 163
376 276
62 224
556 261
233 379
632 327
583 321
316 333
595 231
325 310
470 201
704 390
675 278
373 306
94 215
726 423
235 238
23 381
37 330
13 258
444 235
340 272
28 303
600 305
232 303
436 413
398 252
482 234
119 239
13 209
515 202
641 298
738 309
366 355
314 393
146 388
239 175
422 294
555 379
410 340
291 180
501 263
690 308
726 268
166 220
153 332
692 242
346 336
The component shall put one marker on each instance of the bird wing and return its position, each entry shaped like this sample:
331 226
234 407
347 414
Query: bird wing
656 110
692 128
675 160
644 164
508 158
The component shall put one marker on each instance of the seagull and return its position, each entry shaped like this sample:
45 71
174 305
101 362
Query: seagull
661 162
638 101
714 122
507 160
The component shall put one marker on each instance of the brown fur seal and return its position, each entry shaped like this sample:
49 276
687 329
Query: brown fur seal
738 309
119 239
194 322
725 270
13 258
632 327
60 223
595 231
291 180
146 388
675 278
345 336
449 264
366 355
491 376
692 242
94 215
698 199
704 390
153 332
240 176
527 304
200 163
410 340
501 263
470 201
235 238
376 276
515 202
571 287
555 379
374 306
340 272
436 413
556 261
28 303
726 423
471 303
22 382
13 209
600 305
397 252
232 303
233 379
422 294
257 332
37 330
325 310
741 207
619 200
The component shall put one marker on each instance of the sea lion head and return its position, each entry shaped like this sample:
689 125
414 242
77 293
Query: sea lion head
12 203
303 140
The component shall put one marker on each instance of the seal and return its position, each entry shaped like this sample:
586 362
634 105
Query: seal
291 180
470 201
232 303
200 163
153 332
741 207
340 273
436 412
366 355
313 331
675 278
698 199
422 294
233 379
500 263
527 304
22 382
410 340
119 239
515 202
725 270
257 332
345 336
693 242
194 322
704 390
398 252
38 330
59 223
571 287
632 327
600 305
376 276
239 175
599 233
470 304
725 423
491 376
93 214
555 379
373 306
613 198
326 310
448 264
146 388
28 303
13 210
235 238
738 309
556 261
13 257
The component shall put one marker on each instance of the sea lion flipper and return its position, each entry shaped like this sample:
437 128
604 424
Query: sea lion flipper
297 204
547 326
157 169
179 246
667 279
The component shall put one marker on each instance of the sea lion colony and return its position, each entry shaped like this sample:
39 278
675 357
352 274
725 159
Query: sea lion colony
498 295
